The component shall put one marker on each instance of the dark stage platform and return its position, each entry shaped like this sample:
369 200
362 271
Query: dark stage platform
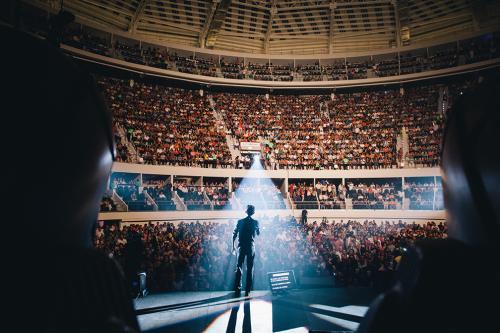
328 309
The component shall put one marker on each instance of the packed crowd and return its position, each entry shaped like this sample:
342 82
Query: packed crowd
218 193
193 196
348 130
161 193
303 195
87 41
330 195
379 194
197 256
122 152
107 203
352 130
167 125
195 65
476 49
134 197
358 252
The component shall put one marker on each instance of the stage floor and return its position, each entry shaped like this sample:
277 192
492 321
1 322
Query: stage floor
327 309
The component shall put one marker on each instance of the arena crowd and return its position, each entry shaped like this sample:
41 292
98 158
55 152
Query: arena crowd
352 130
476 49
197 255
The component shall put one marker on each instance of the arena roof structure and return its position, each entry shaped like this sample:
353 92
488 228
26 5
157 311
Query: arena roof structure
288 26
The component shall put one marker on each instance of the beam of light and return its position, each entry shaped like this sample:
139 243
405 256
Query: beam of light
354 310
256 188
295 330
249 189
197 307
350 325
235 320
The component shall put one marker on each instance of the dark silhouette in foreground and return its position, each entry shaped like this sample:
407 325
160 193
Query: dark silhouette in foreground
449 285
60 157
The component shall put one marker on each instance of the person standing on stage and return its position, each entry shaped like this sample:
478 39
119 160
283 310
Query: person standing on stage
246 230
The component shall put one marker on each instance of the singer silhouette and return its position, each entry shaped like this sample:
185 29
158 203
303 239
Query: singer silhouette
246 230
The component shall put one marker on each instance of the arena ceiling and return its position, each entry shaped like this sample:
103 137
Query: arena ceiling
289 26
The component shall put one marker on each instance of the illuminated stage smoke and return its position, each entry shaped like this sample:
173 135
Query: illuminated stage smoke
282 244
258 189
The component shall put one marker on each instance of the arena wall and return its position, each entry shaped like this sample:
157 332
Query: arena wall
280 174
313 214
285 174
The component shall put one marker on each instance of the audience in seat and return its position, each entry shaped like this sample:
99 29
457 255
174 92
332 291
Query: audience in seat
303 195
87 41
162 195
480 48
232 70
134 198
416 301
167 125
195 255
330 196
193 196
375 194
130 53
156 57
218 193
343 130
107 204
348 131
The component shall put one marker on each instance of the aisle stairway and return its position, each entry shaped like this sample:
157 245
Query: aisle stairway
218 72
235 203
121 206
406 149
399 148
348 203
133 157
230 141
179 203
